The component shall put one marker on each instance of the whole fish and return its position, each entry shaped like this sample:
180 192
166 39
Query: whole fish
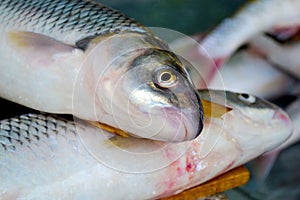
80 57
45 157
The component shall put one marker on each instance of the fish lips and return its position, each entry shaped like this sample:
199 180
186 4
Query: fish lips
184 124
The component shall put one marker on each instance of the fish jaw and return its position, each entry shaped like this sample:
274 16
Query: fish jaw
162 124
179 125
183 124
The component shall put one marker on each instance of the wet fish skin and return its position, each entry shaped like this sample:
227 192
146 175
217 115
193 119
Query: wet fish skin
256 17
76 57
269 83
49 157
69 21
283 56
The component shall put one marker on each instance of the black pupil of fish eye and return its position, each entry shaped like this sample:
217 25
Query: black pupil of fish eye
246 96
166 76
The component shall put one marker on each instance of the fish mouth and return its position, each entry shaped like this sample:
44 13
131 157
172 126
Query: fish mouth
183 122
193 118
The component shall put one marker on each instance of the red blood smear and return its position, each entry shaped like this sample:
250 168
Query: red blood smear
188 167
191 164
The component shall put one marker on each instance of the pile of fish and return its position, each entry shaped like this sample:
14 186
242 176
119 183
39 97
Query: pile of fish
82 58
257 52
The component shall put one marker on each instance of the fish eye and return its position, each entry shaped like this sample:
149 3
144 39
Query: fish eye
166 78
247 98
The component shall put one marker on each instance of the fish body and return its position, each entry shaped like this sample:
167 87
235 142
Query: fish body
48 157
256 17
285 56
269 82
80 57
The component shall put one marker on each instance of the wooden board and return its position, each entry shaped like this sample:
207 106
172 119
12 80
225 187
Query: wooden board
234 178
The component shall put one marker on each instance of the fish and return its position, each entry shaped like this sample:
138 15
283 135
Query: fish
204 65
254 18
82 58
283 55
269 82
46 156
210 51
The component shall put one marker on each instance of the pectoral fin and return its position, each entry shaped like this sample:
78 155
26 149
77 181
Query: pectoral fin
37 41
39 47
212 109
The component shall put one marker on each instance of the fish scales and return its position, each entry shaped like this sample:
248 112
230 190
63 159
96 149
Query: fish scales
64 18
31 129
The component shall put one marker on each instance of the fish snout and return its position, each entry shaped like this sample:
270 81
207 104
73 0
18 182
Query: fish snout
282 116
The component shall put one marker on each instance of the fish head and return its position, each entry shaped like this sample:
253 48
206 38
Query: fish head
157 99
254 125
